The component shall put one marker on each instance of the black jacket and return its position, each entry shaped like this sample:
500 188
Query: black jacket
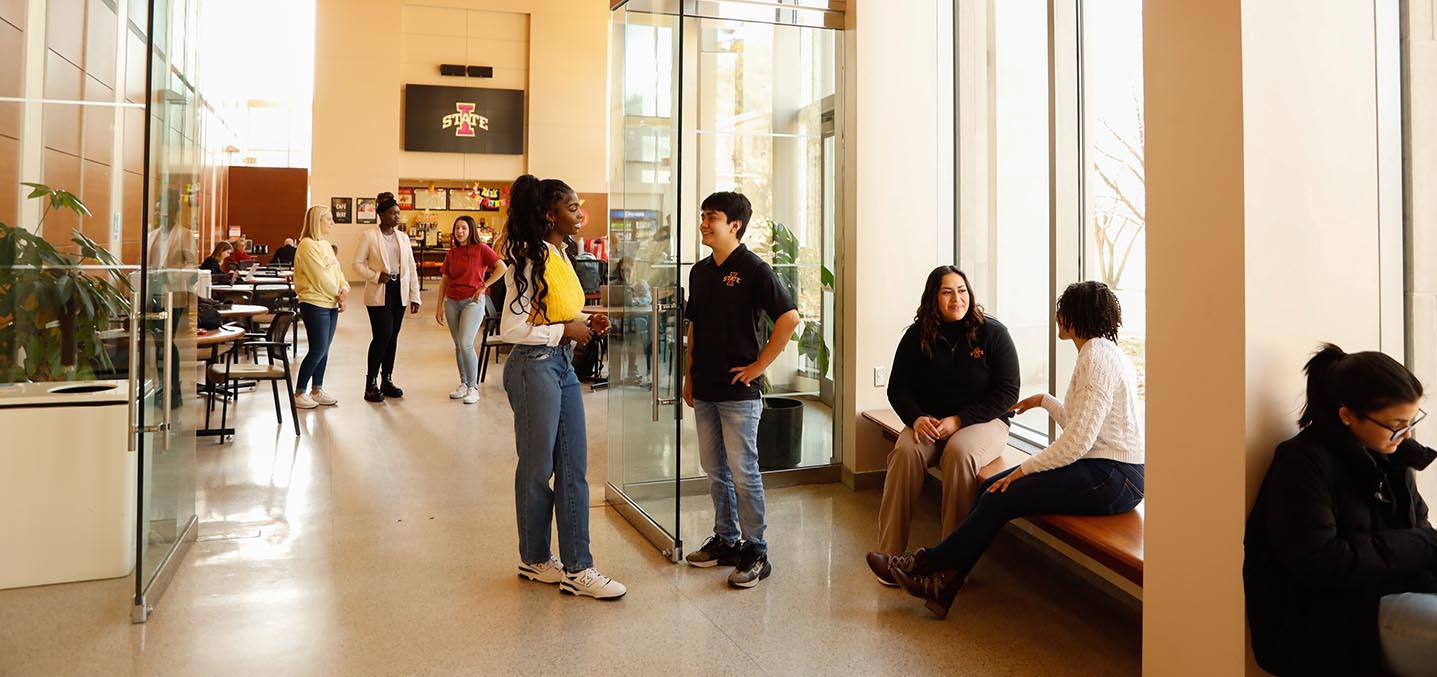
978 380
1335 527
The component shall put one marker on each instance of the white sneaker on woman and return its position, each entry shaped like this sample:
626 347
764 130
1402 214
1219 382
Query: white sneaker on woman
459 392
304 401
322 398
472 396
592 583
551 571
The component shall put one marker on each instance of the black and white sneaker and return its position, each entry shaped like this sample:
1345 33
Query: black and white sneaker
752 567
551 571
714 551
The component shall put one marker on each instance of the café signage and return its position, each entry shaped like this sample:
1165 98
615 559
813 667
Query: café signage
463 120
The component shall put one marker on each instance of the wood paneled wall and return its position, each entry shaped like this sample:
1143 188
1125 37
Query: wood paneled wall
267 203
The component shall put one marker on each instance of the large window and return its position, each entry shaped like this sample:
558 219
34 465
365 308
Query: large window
1050 181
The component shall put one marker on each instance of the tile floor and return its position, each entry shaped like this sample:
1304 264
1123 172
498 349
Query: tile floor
383 543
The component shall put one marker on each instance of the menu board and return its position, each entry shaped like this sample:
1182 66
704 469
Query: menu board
438 199
460 200
405 199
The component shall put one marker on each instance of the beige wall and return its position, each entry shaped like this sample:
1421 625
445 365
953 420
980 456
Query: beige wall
894 220
1421 100
360 70
1262 159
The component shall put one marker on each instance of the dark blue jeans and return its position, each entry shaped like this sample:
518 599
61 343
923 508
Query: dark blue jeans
319 326
552 443
1095 486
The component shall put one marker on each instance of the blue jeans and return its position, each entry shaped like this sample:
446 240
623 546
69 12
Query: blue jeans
1093 486
1407 626
728 452
551 442
464 318
319 326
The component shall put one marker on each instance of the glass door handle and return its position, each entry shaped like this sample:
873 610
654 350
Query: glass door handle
168 386
659 402
136 313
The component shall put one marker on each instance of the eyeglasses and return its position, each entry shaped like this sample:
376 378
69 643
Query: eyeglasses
1398 432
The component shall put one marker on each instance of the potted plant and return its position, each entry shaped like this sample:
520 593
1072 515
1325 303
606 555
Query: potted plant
52 312
780 428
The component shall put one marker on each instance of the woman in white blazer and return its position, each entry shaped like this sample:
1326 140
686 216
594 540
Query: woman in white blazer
385 260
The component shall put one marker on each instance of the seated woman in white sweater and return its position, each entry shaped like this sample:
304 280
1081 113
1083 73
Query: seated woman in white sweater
1095 467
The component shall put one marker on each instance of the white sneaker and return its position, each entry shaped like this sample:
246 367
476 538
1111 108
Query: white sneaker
472 396
322 398
304 401
592 583
551 571
459 392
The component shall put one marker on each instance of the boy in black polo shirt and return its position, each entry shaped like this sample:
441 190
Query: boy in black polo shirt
723 382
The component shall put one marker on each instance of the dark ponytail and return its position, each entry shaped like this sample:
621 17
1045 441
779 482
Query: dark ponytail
1364 382
530 200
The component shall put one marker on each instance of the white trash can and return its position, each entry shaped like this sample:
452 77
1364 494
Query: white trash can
67 483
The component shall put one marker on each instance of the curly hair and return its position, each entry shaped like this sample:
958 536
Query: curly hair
529 203
929 318
1090 310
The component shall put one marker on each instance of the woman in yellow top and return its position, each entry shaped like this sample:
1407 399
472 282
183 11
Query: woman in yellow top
543 317
322 289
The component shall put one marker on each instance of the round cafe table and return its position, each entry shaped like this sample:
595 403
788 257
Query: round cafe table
264 279
242 311
214 337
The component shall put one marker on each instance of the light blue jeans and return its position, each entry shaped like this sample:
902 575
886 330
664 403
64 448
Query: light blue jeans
551 442
1407 626
464 319
728 452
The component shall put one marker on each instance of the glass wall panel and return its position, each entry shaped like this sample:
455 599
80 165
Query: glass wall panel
1115 217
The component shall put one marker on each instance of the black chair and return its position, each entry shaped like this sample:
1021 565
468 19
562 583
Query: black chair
489 333
277 369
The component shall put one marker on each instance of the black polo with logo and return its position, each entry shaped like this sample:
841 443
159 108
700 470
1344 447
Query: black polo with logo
724 305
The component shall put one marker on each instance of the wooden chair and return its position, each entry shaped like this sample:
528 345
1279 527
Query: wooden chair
275 370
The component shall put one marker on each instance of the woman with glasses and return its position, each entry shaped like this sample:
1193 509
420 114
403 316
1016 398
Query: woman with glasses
1341 566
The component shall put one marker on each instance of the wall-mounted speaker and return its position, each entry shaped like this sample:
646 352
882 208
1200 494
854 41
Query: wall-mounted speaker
481 71
451 69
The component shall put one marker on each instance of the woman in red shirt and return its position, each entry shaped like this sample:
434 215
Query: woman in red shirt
469 268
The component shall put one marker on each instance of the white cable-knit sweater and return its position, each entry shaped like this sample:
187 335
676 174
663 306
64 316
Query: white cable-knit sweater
1101 418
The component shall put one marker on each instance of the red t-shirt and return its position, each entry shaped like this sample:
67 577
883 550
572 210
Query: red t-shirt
466 267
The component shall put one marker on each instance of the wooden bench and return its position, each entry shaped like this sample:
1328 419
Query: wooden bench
1115 541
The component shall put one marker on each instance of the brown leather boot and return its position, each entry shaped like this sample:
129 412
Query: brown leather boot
882 565
938 589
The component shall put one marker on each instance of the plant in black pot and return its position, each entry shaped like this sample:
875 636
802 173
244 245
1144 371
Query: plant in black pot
780 427
52 310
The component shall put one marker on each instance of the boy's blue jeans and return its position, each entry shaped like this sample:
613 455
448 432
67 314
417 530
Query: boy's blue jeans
728 452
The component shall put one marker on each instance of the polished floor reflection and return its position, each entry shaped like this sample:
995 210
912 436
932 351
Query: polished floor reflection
383 542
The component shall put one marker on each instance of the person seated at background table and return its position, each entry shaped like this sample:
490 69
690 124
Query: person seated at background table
284 256
955 374
215 263
1341 561
241 253
1095 467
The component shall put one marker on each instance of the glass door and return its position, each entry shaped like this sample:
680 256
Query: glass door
165 364
714 96
645 347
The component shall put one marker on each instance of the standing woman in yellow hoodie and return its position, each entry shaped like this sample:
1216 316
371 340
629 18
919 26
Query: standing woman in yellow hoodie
322 289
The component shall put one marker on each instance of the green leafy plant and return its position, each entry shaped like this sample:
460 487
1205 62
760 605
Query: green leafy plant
809 336
52 312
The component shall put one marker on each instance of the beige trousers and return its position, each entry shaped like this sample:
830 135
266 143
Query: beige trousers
958 458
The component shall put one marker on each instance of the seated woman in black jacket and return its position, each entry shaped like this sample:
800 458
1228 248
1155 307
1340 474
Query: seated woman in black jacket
1341 565
955 375
215 262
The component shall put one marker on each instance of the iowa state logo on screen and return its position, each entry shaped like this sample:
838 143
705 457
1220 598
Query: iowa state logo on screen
463 120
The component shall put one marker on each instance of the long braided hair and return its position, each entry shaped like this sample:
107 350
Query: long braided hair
929 318
530 200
